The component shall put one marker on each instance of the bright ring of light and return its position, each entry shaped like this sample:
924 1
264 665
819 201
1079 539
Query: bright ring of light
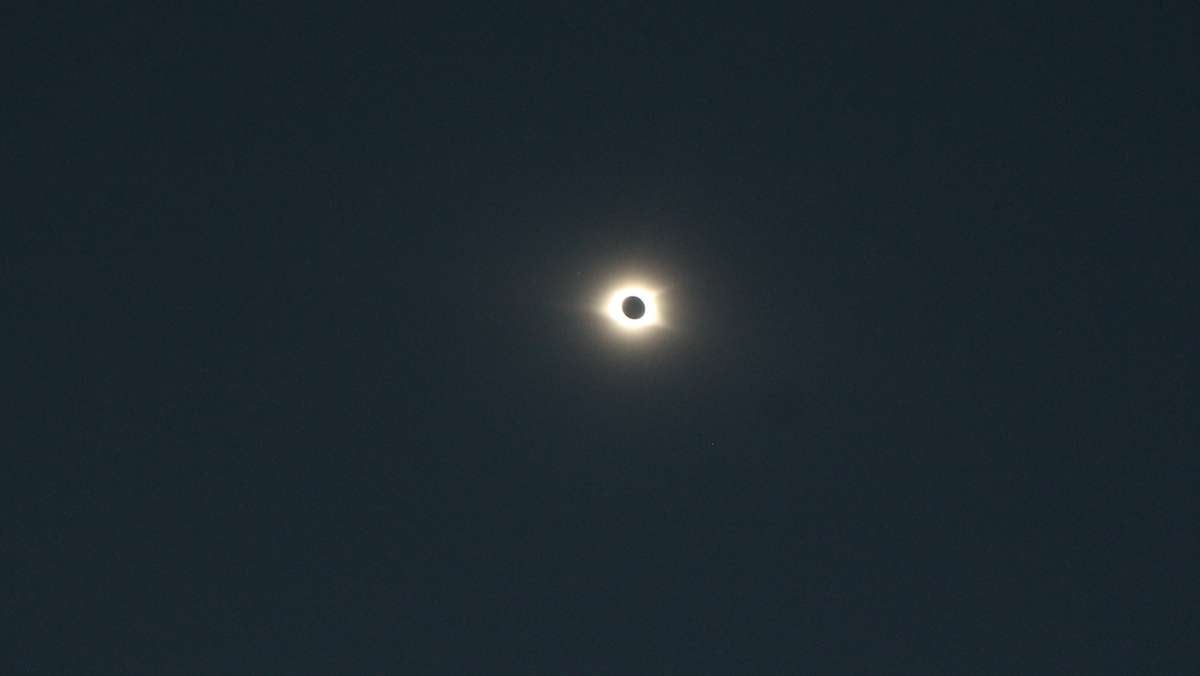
647 320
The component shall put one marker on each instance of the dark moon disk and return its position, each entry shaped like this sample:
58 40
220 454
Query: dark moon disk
633 307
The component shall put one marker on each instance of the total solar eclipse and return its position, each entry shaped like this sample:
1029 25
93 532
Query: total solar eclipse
633 308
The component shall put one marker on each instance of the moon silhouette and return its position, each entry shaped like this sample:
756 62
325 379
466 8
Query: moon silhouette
633 307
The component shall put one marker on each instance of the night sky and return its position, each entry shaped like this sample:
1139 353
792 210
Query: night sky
303 372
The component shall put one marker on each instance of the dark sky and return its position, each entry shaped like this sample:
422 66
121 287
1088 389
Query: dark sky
301 375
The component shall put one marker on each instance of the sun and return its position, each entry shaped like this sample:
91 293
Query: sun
633 308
